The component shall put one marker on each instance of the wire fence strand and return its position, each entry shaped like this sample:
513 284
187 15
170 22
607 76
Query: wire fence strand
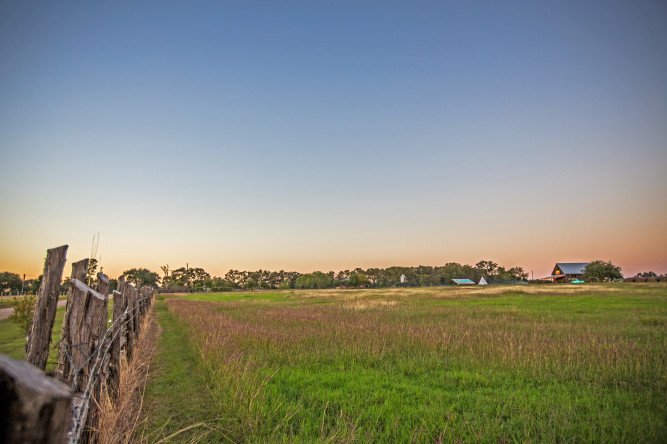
96 362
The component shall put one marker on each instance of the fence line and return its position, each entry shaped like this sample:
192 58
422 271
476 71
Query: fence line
89 351
96 374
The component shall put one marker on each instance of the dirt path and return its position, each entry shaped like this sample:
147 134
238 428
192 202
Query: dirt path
7 312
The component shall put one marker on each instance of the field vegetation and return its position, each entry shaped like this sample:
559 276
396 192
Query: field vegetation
502 363
13 337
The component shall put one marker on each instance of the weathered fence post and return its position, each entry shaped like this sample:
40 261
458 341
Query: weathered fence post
87 325
39 338
35 408
144 299
128 322
113 383
103 284
79 272
135 311
140 302
92 418
83 344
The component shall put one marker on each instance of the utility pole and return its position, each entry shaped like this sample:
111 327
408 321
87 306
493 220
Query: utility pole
22 284
187 276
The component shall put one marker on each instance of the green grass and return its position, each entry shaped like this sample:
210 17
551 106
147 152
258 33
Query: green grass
178 396
12 339
531 364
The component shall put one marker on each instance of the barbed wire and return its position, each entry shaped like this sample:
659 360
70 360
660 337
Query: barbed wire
99 359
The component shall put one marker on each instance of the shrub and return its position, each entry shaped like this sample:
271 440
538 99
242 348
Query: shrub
23 309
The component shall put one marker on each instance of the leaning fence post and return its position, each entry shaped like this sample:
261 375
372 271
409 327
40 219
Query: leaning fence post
35 408
79 272
39 338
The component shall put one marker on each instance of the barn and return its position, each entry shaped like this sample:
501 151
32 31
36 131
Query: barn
568 271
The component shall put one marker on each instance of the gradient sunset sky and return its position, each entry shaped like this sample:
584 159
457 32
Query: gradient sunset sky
329 135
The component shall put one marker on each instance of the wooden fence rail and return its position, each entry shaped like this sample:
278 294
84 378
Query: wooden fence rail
89 355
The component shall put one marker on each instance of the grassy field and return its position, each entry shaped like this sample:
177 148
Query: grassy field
12 339
534 363
6 301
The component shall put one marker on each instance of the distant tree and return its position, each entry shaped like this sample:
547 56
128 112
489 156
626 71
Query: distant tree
488 268
195 277
198 275
314 280
234 277
647 274
33 285
518 273
141 276
165 278
357 279
249 284
343 276
602 271
218 284
10 282
291 277
64 286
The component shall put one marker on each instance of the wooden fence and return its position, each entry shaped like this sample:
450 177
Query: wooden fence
37 407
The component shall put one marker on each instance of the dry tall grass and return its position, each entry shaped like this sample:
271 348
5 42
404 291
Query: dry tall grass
119 420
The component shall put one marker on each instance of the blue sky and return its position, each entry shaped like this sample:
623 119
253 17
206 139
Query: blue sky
330 135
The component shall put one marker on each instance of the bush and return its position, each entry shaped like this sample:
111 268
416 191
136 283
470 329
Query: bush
23 309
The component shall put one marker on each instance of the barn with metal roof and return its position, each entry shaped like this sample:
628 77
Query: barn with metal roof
566 271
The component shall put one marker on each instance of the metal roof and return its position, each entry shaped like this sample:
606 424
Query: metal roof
463 282
571 267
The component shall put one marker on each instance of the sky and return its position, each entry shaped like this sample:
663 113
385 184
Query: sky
330 135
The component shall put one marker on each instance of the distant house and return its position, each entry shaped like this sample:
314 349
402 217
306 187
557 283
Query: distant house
567 271
463 282
403 279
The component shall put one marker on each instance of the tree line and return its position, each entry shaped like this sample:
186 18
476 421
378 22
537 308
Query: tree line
422 275
198 279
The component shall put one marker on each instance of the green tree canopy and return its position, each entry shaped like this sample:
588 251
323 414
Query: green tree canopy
34 284
314 280
10 281
141 276
602 271
647 274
